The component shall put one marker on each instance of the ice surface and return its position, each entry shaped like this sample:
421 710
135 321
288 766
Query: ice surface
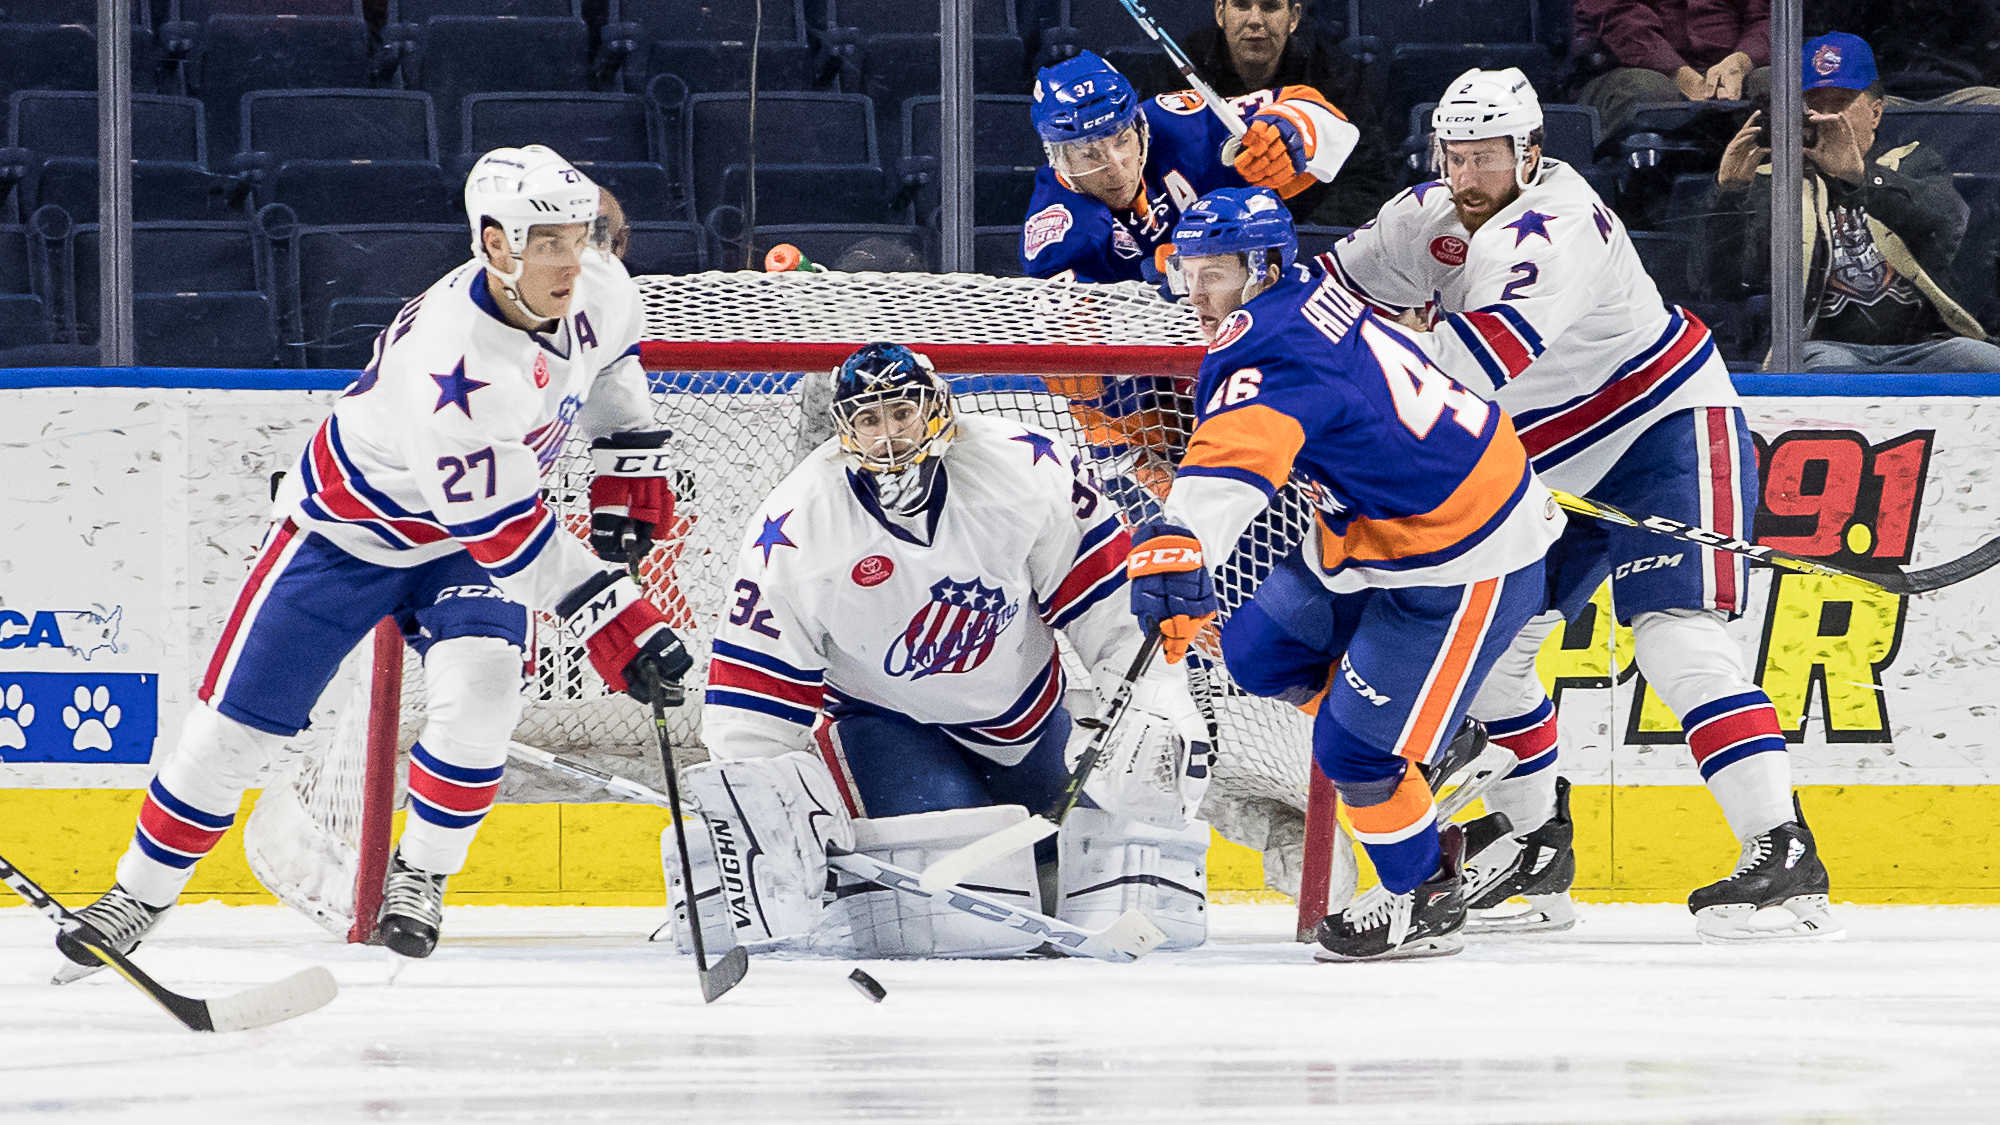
565 1014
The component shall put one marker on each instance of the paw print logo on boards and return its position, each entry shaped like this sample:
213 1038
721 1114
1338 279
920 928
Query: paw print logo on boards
16 717
92 716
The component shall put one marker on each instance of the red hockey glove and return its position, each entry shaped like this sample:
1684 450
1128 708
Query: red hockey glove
631 498
626 636
1171 587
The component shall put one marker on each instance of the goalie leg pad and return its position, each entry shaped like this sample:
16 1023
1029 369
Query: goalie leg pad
473 701
869 921
768 821
1110 864
717 934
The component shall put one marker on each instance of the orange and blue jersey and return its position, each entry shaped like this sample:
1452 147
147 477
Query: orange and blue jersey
1417 481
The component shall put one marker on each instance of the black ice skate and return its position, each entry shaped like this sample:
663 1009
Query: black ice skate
1541 871
117 920
1777 868
1380 926
412 909
1470 764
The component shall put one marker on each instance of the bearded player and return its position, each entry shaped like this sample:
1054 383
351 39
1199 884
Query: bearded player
1425 560
419 498
887 677
1537 298
1120 169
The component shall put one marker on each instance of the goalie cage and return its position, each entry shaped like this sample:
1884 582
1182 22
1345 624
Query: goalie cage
1108 366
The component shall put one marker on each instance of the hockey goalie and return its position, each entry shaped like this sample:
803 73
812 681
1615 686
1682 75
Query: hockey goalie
887 680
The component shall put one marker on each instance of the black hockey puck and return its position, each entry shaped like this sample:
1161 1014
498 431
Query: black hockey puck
866 986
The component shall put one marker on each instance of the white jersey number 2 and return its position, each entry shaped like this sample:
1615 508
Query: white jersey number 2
1422 392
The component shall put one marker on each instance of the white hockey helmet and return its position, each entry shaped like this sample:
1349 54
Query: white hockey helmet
520 188
1480 104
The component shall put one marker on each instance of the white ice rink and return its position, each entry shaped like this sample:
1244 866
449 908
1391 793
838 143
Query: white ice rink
565 1014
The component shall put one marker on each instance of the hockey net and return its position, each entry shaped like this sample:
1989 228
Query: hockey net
1110 367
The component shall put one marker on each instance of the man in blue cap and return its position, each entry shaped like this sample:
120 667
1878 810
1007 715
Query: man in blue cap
1883 227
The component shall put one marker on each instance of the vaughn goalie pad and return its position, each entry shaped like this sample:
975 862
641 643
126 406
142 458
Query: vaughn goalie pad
866 920
1111 864
760 867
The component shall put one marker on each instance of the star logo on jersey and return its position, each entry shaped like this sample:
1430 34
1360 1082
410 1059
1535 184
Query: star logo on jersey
955 632
1043 447
456 389
773 537
1424 189
1530 222
1603 220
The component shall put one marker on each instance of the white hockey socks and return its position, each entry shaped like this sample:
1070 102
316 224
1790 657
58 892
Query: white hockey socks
1732 729
472 689
192 802
1110 864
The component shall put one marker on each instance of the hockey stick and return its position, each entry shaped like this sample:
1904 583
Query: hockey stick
262 1006
729 971
1131 937
1224 111
1898 581
957 866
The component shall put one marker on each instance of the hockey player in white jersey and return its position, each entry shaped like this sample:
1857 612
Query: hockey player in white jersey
419 498
1534 294
886 678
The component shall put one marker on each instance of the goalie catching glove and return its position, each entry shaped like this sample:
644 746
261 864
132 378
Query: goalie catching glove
1294 141
630 498
1156 762
1171 587
626 636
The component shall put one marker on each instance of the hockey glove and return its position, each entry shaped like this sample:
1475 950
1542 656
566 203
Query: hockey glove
1156 762
626 637
1171 588
631 497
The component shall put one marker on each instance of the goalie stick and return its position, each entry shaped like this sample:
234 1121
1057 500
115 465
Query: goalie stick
1224 112
262 1006
1129 938
1898 581
957 866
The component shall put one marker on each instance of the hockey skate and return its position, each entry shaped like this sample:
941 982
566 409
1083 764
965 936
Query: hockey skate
1777 868
1541 868
412 909
1468 766
1380 926
118 920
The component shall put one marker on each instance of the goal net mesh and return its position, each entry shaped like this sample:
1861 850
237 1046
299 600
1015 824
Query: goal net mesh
738 432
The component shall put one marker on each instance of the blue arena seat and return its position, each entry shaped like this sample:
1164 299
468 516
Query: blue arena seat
1449 21
792 128
1963 136
170 177
878 17
205 257
353 279
707 43
238 53
583 127
809 193
996 250
347 156
204 330
1315 240
24 321
1669 261
666 248
486 46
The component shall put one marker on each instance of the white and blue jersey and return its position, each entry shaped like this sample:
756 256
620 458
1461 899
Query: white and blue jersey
946 618
1547 310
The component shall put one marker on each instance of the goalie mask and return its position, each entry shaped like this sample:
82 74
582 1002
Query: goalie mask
895 419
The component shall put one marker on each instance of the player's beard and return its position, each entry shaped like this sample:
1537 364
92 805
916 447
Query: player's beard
1474 208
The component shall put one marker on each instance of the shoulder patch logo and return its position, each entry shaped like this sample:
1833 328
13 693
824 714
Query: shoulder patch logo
1044 229
1232 329
873 571
1122 242
1183 102
1449 249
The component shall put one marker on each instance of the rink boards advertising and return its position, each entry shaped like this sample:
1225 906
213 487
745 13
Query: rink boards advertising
131 512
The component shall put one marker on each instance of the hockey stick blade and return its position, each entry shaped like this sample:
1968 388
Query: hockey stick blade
262 1006
724 974
1902 583
1129 938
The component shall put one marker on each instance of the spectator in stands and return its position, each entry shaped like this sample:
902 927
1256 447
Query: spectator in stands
1928 52
1258 45
1667 50
612 232
1883 227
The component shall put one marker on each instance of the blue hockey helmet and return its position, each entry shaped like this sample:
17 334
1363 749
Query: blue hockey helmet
1082 99
1237 221
882 375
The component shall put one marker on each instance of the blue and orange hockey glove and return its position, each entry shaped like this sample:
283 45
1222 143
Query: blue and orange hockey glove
1171 587
1281 139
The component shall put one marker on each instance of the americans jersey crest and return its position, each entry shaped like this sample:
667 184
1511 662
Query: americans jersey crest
955 632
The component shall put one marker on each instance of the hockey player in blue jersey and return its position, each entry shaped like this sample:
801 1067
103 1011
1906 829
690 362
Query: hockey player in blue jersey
1120 169
1426 558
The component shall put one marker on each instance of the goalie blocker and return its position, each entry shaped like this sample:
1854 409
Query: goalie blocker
762 877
